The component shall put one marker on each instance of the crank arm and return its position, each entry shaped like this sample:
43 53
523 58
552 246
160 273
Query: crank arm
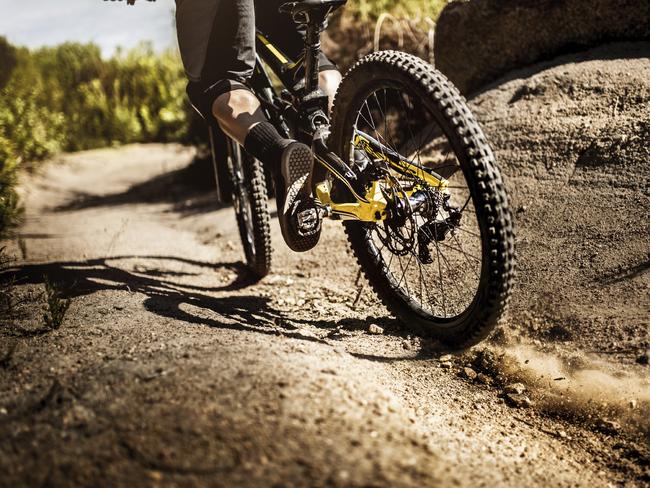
338 168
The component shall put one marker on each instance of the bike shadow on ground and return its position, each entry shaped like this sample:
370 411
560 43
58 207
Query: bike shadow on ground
167 296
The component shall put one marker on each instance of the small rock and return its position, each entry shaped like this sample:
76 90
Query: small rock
559 333
518 400
609 426
78 416
483 378
3 411
445 365
375 329
445 358
643 358
516 388
469 373
155 475
633 404
487 361
562 434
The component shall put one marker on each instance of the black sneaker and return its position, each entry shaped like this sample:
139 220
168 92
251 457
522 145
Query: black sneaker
299 219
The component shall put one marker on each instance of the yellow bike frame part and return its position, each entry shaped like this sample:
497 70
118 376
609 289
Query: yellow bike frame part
371 211
273 49
372 208
362 143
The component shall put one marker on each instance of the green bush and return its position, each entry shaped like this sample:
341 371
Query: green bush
68 98
9 208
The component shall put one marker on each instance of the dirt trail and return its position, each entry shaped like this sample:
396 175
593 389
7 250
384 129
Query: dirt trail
171 369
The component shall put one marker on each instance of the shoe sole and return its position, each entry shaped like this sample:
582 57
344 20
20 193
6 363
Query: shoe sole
296 166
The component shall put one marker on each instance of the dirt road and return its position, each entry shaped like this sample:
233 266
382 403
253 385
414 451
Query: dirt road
170 369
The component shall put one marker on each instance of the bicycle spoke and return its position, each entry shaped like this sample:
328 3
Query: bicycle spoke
467 256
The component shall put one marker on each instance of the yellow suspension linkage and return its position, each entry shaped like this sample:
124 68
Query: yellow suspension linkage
364 144
372 211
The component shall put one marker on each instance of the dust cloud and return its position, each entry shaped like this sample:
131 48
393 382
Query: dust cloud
579 386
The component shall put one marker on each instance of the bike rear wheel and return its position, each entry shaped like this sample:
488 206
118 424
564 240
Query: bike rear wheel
250 202
447 273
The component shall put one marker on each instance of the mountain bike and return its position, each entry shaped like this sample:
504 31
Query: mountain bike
405 166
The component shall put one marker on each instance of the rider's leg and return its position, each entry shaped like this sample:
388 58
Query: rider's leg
217 44
219 58
329 81
237 111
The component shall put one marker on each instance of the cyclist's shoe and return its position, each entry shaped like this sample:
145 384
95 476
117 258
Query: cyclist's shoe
299 218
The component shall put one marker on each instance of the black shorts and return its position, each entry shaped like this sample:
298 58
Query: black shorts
217 43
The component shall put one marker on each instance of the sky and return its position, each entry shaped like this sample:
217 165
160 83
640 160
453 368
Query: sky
109 24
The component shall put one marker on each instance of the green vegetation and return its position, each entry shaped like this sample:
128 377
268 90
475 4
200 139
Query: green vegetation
68 98
55 307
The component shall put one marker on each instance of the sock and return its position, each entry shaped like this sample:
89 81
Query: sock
265 143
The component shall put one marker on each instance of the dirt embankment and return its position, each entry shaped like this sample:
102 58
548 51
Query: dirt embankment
572 139
171 369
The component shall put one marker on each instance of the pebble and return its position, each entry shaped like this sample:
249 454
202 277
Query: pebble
518 400
469 373
643 358
375 329
483 378
3 411
609 426
78 416
516 388
445 358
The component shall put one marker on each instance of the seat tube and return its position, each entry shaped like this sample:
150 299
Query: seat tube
312 49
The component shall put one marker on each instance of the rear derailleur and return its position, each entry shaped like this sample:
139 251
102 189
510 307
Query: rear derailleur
437 230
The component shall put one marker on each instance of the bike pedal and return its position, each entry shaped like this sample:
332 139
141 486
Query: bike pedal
309 219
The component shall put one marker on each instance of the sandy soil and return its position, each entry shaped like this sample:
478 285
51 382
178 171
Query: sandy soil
171 369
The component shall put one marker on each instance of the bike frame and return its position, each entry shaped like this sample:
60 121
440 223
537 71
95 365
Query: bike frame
300 111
